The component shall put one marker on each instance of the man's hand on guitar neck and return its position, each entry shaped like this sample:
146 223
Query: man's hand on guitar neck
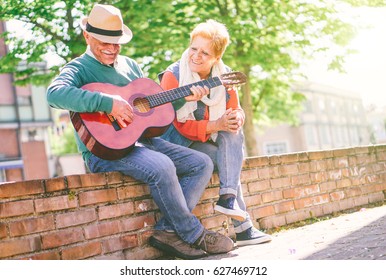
121 111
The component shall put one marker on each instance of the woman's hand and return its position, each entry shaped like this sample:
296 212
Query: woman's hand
232 121
198 92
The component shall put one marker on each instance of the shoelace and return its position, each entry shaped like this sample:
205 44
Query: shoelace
207 237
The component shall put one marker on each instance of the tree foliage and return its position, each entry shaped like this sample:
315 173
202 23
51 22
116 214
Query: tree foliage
269 40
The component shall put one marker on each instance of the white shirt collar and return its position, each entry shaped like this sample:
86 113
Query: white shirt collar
89 52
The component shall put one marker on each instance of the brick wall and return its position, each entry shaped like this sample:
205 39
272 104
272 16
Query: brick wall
111 216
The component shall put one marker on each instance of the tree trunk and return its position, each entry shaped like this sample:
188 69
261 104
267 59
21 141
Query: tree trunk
249 128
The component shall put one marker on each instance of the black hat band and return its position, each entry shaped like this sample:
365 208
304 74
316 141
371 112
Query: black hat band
99 31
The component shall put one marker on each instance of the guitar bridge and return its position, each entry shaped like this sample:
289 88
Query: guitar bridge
114 122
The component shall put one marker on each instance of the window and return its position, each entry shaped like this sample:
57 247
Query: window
275 148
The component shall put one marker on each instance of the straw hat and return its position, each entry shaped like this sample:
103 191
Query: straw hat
105 24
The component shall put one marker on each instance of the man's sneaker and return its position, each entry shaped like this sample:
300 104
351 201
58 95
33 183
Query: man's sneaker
171 243
251 236
230 208
214 242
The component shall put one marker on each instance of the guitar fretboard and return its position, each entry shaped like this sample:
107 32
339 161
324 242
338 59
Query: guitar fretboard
177 93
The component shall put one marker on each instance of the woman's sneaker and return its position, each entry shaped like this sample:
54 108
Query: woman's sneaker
251 236
230 208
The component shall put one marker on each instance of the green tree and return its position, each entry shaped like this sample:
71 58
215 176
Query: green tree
270 38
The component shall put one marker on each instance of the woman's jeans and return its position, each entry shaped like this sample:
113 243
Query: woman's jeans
227 156
177 176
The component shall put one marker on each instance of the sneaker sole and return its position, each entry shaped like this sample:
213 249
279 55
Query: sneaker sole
255 241
171 250
238 215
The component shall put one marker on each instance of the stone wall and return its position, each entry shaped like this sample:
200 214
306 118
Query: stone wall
111 216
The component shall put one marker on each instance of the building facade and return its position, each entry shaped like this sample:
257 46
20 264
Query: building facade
332 118
24 120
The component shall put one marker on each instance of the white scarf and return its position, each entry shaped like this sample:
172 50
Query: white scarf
217 100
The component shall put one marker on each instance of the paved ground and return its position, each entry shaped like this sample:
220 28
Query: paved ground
356 236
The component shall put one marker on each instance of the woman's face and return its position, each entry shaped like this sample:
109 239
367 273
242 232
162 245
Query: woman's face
201 57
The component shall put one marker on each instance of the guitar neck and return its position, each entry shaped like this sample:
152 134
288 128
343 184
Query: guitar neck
177 93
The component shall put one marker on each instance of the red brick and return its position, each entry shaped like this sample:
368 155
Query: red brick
319 155
301 180
327 186
114 256
83 251
138 222
114 178
133 191
263 211
75 218
271 196
343 183
21 188
214 221
145 205
3 230
280 182
248 175
346 204
30 226
251 162
97 196
120 243
264 173
252 200
52 255
147 253
304 167
210 193
318 177
289 169
16 208
272 222
93 180
215 179
60 238
289 158
144 237
332 207
318 166
300 191
74 181
310 201
19 246
116 210
203 209
101 229
55 184
259 186
339 195
55 203
285 206
297 216
273 160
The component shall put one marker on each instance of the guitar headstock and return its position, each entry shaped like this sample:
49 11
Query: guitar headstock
233 79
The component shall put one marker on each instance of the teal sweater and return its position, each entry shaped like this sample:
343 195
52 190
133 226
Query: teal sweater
65 91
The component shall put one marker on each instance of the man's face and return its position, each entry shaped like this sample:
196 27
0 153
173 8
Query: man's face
105 52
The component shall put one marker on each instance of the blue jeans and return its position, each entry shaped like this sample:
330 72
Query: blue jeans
177 177
227 156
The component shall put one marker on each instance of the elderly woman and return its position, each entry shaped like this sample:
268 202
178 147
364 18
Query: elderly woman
213 125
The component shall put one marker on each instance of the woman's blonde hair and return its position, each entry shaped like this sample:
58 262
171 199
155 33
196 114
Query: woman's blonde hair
214 31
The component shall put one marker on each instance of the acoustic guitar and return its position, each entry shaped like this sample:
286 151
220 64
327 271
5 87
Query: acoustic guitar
153 113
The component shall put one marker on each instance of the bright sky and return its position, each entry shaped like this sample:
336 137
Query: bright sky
366 70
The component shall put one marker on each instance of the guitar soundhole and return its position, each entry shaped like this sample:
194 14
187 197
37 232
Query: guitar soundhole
141 105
